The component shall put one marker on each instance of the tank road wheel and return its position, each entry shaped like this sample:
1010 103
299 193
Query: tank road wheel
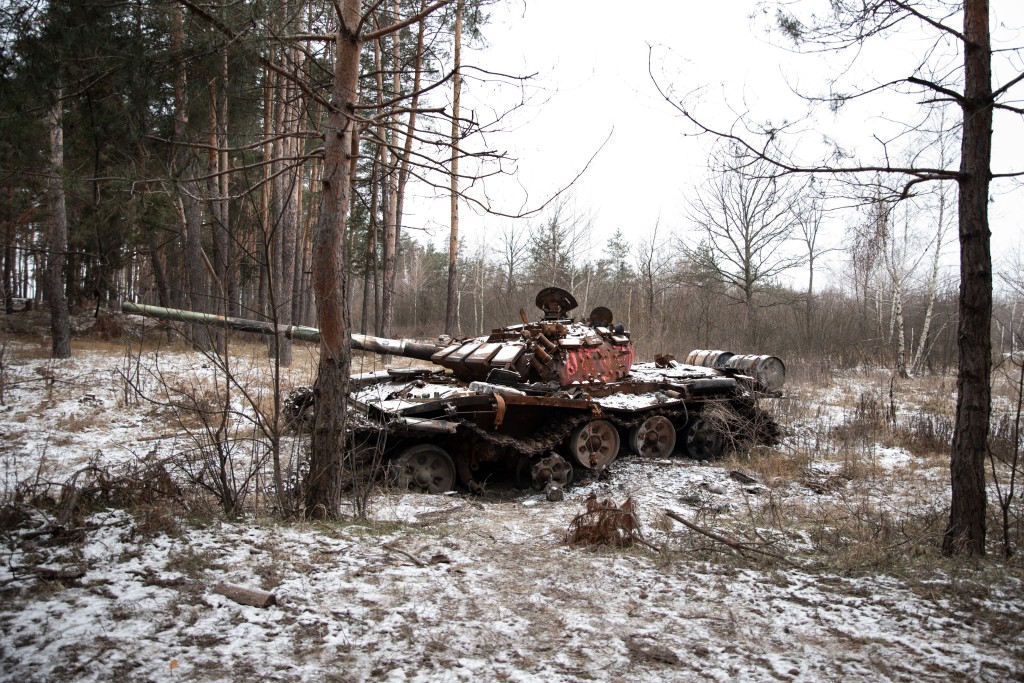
425 468
703 441
594 444
299 408
654 437
553 468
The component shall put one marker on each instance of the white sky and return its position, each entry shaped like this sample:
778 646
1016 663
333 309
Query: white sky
591 61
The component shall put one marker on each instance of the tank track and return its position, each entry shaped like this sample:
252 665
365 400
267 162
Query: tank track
547 438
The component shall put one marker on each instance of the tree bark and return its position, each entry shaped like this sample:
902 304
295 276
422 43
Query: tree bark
370 271
57 242
10 254
451 313
217 188
965 532
285 208
330 275
188 190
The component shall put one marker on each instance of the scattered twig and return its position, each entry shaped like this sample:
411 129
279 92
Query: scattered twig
413 558
648 544
736 545
44 574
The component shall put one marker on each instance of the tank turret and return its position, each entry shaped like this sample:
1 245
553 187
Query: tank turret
556 348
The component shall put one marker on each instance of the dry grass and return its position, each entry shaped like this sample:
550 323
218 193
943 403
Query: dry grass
193 563
874 453
80 422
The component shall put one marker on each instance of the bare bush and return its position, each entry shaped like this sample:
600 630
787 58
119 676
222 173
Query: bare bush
1004 455
230 420
604 523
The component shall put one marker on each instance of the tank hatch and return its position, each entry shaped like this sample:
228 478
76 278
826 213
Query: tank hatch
555 302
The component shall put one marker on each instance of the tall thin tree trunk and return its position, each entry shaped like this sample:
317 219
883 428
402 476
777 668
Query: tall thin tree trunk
57 240
300 241
218 189
933 280
163 291
285 200
965 532
809 308
188 199
10 253
370 270
267 188
410 127
900 327
389 169
933 289
451 325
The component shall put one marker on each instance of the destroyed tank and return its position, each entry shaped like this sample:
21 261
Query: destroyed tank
536 400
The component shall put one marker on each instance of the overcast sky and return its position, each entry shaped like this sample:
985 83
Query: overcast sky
592 88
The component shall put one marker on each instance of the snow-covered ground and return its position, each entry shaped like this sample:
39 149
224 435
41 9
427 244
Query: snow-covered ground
457 587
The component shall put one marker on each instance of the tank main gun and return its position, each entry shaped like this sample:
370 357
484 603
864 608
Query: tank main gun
554 350
396 347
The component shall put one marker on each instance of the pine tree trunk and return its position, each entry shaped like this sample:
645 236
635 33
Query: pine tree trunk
451 326
285 215
388 170
370 271
330 275
10 254
965 532
57 240
410 128
217 189
188 190
300 241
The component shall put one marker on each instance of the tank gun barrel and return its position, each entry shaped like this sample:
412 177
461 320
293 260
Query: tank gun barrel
360 342
394 347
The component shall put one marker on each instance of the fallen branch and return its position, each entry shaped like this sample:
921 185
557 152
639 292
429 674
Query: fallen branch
44 574
736 545
246 596
418 561
58 573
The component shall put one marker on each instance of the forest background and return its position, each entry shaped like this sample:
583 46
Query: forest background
175 153
627 234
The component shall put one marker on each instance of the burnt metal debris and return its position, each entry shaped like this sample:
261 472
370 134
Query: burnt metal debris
537 401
